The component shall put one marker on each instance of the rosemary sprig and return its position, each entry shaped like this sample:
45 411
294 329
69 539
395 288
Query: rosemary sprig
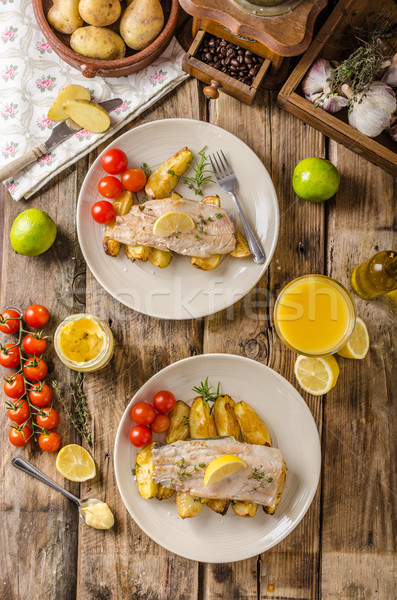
78 415
204 390
200 178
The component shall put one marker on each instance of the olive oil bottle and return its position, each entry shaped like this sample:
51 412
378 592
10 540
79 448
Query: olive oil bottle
376 276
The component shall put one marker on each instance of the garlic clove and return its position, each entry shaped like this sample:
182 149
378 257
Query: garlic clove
390 76
317 77
331 103
372 109
392 129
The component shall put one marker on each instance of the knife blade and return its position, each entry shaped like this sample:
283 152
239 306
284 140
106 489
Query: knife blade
60 133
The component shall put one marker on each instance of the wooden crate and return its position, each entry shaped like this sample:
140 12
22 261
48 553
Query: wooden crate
333 43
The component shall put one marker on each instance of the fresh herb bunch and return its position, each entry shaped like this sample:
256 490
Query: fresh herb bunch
78 415
204 390
201 178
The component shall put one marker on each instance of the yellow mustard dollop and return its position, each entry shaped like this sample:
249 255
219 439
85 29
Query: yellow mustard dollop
98 516
81 340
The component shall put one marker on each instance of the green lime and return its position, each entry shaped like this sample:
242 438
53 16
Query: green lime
315 179
33 232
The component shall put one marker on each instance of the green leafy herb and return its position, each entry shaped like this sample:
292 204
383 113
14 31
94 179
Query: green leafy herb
260 476
204 390
77 416
200 178
201 465
218 215
133 471
146 169
182 465
172 172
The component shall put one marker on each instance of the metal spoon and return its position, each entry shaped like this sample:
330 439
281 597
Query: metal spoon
24 465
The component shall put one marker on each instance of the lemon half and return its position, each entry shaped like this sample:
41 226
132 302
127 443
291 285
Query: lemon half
75 463
316 375
222 467
172 222
358 344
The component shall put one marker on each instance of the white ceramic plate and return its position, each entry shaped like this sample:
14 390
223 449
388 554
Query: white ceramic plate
180 291
210 537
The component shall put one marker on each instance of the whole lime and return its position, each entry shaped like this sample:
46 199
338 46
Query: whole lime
315 179
33 232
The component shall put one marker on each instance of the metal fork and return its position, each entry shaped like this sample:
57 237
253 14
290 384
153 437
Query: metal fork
228 183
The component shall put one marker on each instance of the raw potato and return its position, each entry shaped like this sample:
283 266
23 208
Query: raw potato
225 419
97 42
253 429
242 249
212 200
144 473
100 12
188 505
206 264
270 510
244 509
70 92
160 258
141 23
138 252
201 421
161 182
64 16
179 423
88 115
122 206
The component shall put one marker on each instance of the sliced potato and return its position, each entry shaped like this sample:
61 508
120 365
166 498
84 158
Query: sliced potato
163 492
122 205
70 92
144 473
212 200
188 505
219 506
138 252
179 423
160 258
244 509
242 249
225 419
88 115
206 264
201 421
270 510
253 429
163 180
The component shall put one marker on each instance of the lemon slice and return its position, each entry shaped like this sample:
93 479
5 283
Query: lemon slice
222 467
316 375
75 463
172 222
358 345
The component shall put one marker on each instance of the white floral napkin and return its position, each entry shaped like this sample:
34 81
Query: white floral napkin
32 75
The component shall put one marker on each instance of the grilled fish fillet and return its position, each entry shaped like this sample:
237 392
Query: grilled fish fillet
214 232
181 466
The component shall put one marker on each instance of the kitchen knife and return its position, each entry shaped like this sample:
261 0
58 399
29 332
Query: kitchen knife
60 133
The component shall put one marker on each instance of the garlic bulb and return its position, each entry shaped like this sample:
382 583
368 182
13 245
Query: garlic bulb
317 90
390 76
372 111
392 129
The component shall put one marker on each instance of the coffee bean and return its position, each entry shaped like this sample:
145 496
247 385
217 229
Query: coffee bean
234 62
240 59
248 60
223 43
216 59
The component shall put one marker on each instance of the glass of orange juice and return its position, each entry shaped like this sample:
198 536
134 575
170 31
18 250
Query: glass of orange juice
314 315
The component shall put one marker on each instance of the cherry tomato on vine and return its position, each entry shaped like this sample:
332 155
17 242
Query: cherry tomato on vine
143 413
10 321
36 315
140 435
164 401
48 420
20 437
35 369
103 211
14 386
49 442
133 180
110 187
10 356
40 394
34 344
161 423
114 161
19 411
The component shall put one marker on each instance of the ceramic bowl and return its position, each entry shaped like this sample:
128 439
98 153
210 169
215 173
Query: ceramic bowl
90 67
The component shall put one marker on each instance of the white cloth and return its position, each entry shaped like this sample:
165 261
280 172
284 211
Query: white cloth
31 77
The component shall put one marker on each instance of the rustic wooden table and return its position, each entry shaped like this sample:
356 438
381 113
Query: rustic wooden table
345 547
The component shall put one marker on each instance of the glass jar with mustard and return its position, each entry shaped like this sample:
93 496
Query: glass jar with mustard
84 343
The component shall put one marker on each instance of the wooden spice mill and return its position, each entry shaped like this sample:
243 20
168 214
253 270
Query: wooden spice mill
271 29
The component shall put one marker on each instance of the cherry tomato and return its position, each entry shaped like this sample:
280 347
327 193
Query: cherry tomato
10 321
49 442
48 420
14 386
34 344
20 437
133 180
160 423
40 394
164 401
140 435
19 411
110 187
103 211
36 315
35 369
114 161
143 413
10 356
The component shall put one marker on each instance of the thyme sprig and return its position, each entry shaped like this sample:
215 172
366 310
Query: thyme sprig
200 167
78 415
147 170
204 390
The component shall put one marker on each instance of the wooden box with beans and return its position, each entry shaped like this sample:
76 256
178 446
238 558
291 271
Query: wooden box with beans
225 66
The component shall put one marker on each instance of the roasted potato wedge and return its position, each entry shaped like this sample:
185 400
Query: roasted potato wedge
206 264
160 258
163 180
270 510
219 506
201 421
188 505
122 206
138 252
253 429
163 492
244 509
144 473
175 196
179 423
212 200
242 249
225 419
